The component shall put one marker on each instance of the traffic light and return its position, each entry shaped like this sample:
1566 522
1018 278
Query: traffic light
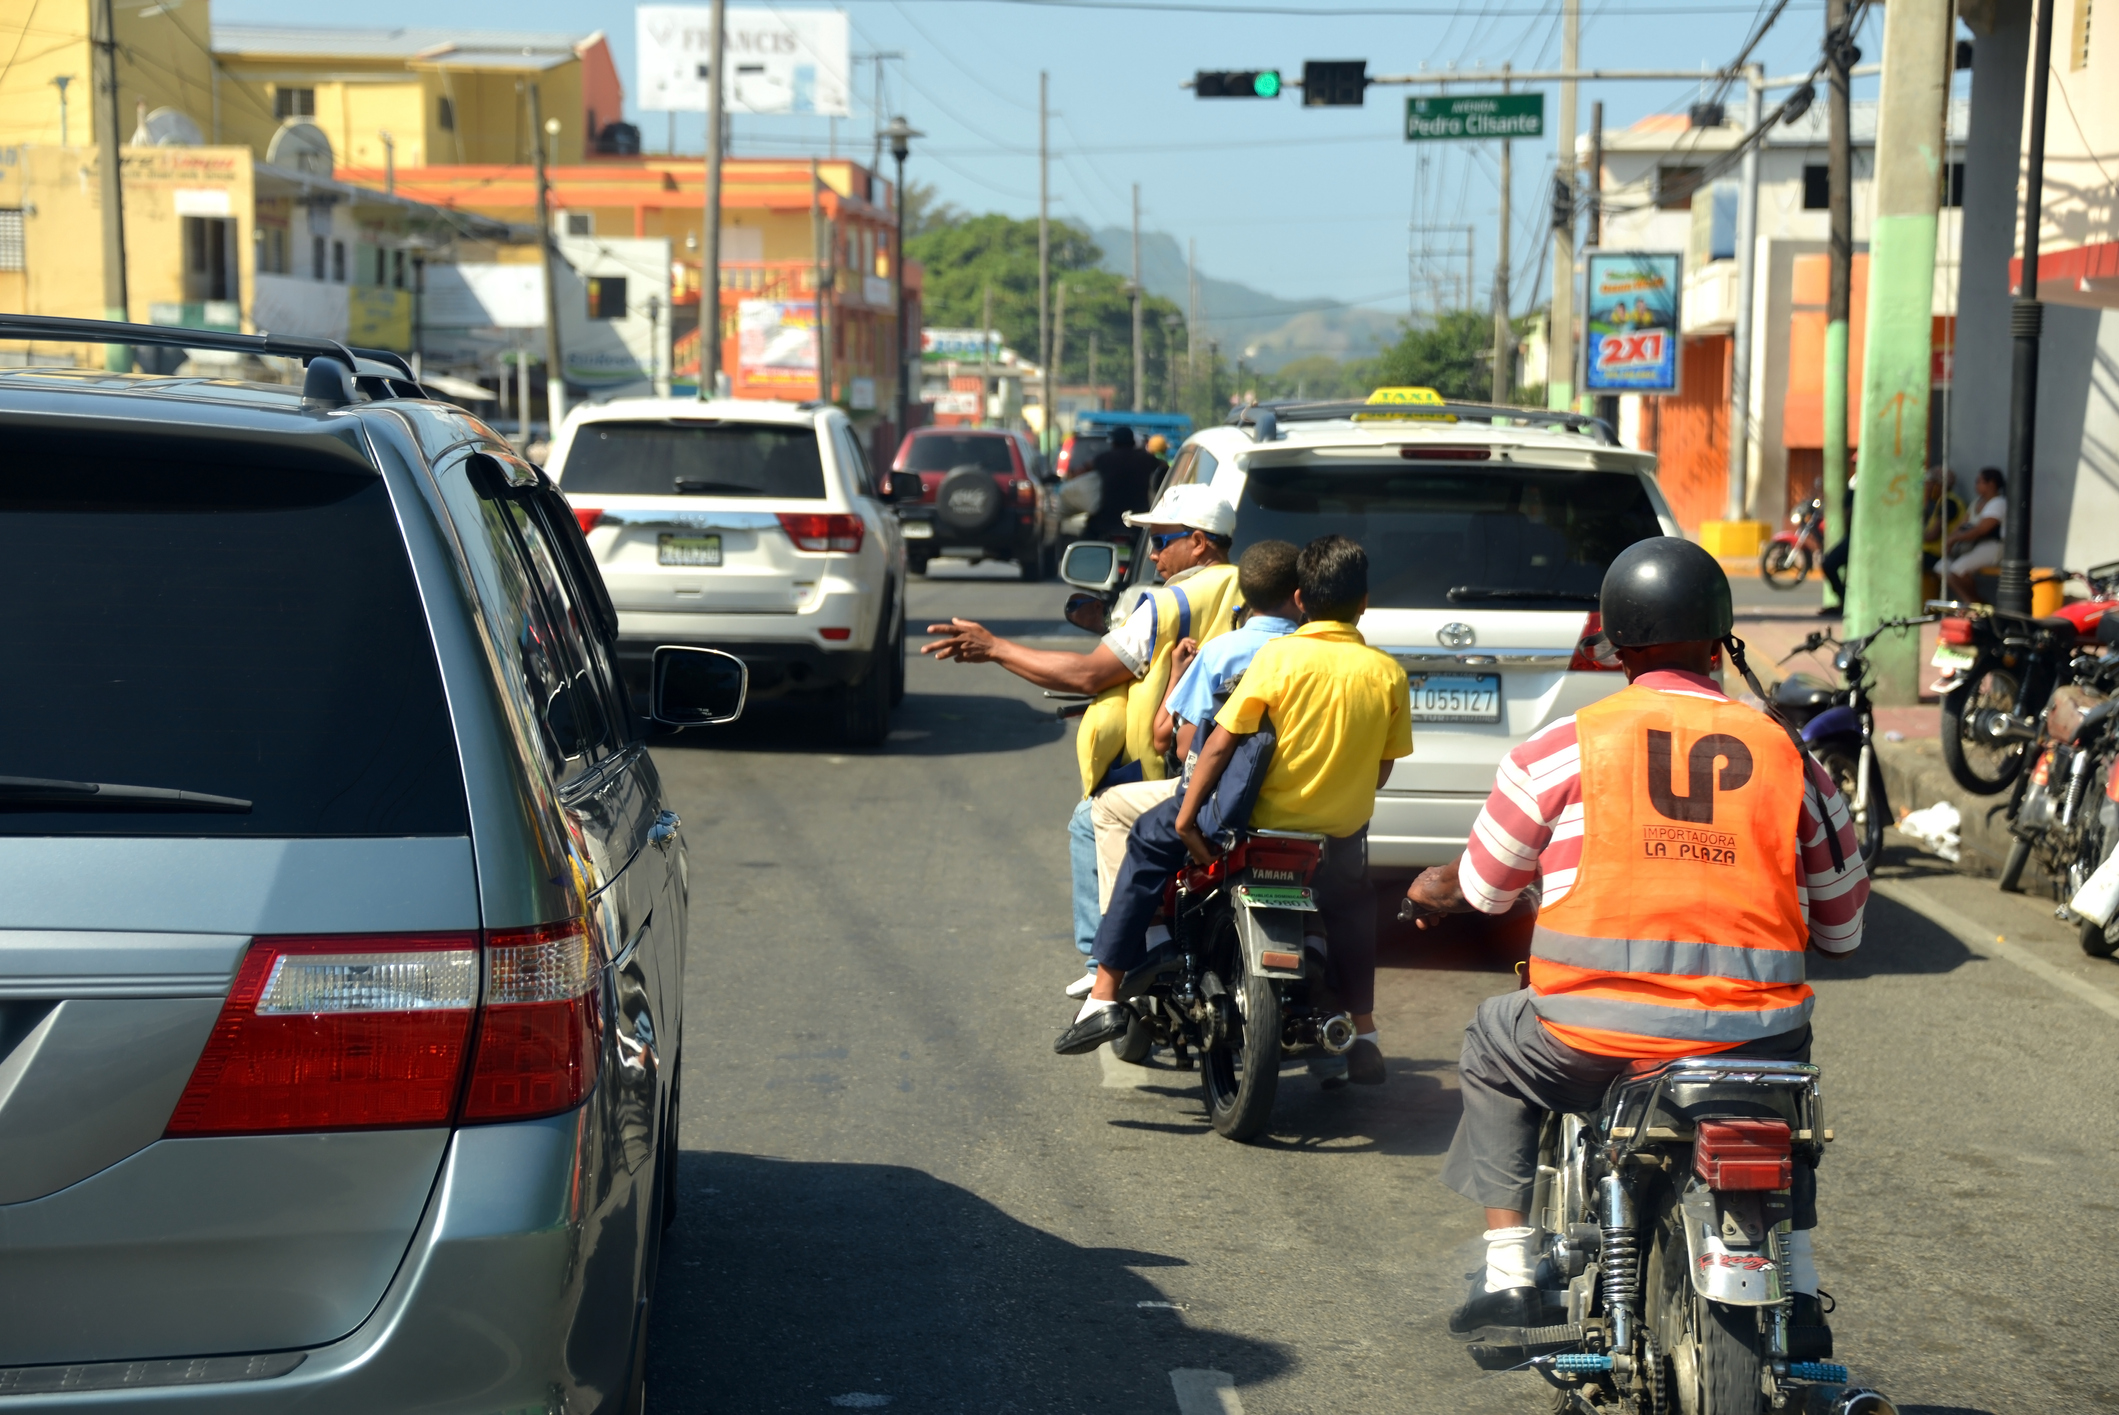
1334 83
1237 83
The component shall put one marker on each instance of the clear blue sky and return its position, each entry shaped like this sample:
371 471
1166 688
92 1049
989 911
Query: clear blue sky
1298 202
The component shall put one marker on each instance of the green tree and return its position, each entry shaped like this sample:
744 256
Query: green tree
1453 356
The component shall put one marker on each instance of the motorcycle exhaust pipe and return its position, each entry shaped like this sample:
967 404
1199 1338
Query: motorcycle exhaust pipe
1998 726
1856 1400
1337 1034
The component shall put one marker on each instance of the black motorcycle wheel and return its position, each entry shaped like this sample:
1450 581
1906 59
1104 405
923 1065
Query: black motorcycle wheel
1844 767
1980 767
1133 1047
1712 1357
1782 565
1242 1075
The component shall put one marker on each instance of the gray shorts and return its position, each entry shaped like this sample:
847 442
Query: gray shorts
1513 1071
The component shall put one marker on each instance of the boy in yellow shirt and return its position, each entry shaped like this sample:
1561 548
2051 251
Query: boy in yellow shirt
1343 715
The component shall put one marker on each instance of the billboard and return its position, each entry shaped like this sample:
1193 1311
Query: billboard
776 348
960 345
1630 322
779 61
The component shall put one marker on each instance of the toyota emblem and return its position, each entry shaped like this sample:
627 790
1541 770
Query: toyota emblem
1455 636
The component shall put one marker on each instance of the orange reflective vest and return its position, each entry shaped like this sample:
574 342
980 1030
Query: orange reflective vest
1683 932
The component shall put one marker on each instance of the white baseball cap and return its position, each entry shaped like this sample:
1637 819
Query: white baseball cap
1193 505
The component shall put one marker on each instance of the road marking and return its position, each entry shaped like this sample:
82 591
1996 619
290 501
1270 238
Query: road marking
860 1400
1977 935
1205 1393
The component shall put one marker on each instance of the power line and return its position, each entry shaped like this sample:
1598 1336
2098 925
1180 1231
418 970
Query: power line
1359 12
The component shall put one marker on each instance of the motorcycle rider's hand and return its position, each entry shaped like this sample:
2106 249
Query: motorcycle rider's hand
1433 894
964 640
1196 844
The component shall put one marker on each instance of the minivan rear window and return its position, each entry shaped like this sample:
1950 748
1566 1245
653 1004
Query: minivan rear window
679 457
246 632
1458 537
945 452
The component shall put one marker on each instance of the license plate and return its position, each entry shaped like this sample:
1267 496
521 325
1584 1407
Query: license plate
688 550
1954 657
1456 697
1277 896
919 530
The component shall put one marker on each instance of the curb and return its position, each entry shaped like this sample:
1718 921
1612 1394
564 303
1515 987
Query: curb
1915 777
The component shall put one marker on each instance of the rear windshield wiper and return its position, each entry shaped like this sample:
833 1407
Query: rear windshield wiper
1460 593
37 792
687 487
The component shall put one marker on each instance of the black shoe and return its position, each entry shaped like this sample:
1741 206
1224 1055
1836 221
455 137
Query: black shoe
1364 1063
1514 1307
1093 1031
1809 1339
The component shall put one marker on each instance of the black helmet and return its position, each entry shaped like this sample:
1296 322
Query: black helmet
1665 590
1122 436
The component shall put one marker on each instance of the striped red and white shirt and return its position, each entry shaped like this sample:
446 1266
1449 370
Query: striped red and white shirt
1530 832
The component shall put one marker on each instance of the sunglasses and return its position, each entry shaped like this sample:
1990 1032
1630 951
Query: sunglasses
1164 542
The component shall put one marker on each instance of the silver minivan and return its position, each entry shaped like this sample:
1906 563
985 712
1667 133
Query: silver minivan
342 943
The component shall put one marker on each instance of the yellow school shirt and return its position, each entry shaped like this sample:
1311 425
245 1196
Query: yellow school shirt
1341 710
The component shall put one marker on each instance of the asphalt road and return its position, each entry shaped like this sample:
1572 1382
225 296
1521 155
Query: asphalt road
894 1194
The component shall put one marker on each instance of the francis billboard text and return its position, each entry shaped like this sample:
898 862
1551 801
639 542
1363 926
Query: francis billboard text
779 61
1631 322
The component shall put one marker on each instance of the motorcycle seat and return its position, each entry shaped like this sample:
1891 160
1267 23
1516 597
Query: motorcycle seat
1800 690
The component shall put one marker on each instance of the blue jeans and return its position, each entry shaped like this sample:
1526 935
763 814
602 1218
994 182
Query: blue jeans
1081 854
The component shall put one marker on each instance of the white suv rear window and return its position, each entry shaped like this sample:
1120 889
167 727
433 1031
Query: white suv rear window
1451 537
683 457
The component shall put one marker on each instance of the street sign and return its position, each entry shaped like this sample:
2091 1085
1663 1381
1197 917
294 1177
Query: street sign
1475 117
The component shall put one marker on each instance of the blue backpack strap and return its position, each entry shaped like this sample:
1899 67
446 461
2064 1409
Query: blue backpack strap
1184 613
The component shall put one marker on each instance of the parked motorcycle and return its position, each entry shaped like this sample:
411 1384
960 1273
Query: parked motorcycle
1999 670
1666 1280
2064 812
1241 978
1838 725
1788 557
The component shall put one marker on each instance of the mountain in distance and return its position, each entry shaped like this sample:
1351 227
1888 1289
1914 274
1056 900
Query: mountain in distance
1242 318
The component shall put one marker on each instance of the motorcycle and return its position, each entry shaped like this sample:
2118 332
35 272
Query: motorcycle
1240 980
1999 670
2064 812
1838 725
1788 557
1666 1279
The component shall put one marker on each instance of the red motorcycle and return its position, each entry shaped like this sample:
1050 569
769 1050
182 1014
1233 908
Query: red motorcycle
1788 557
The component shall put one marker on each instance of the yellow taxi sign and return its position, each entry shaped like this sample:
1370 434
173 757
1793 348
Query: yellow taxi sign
1407 398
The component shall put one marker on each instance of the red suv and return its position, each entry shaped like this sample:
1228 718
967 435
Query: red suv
983 496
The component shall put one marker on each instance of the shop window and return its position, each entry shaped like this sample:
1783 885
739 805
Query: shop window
579 223
12 253
1817 187
445 116
1953 185
209 258
1674 187
273 255
293 103
316 257
397 269
338 262
606 297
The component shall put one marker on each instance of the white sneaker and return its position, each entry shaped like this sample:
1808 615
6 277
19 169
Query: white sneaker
1079 988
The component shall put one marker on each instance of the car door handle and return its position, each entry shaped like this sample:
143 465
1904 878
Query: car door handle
663 833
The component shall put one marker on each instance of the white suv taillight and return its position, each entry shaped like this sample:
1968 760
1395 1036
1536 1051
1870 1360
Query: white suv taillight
378 1031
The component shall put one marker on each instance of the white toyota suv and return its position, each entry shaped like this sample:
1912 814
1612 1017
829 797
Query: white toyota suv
1488 532
752 527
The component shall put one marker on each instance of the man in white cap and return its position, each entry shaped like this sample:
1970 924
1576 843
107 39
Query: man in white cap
1130 671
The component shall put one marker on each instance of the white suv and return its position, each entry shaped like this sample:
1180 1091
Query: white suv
1487 544
746 526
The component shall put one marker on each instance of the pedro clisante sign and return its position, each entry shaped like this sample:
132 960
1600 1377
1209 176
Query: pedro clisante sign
1475 117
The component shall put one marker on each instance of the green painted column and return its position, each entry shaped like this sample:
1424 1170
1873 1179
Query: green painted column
1884 570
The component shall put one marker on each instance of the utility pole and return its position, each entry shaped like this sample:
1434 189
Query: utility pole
710 235
1093 332
2026 320
1738 501
1884 570
1560 355
1140 367
1047 436
111 186
821 278
1504 327
1839 200
555 380
1059 340
1607 403
986 356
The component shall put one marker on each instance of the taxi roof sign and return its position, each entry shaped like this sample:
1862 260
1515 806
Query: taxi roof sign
1407 398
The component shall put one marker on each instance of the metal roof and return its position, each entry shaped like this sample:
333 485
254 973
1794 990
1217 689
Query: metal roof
404 43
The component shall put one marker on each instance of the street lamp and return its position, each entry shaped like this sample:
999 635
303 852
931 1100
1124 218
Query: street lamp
901 134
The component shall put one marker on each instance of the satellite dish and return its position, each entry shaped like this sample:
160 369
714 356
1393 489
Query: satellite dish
302 146
167 127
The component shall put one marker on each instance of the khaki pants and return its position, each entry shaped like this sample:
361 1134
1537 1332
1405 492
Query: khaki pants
1113 815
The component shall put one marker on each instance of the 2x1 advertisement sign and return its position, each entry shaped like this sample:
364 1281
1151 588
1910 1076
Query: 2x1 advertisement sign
1631 322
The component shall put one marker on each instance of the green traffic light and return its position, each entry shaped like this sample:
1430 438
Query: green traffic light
1267 84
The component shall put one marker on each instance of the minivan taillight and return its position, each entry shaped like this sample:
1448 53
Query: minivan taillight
1025 492
352 1032
378 1031
1585 659
1065 461
822 531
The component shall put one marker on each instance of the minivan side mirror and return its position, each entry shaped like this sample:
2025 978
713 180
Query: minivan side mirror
905 486
1092 565
697 687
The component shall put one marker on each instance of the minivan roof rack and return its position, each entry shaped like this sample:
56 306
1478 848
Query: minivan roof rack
1264 419
358 363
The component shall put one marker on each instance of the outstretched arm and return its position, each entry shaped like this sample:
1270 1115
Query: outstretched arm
967 641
